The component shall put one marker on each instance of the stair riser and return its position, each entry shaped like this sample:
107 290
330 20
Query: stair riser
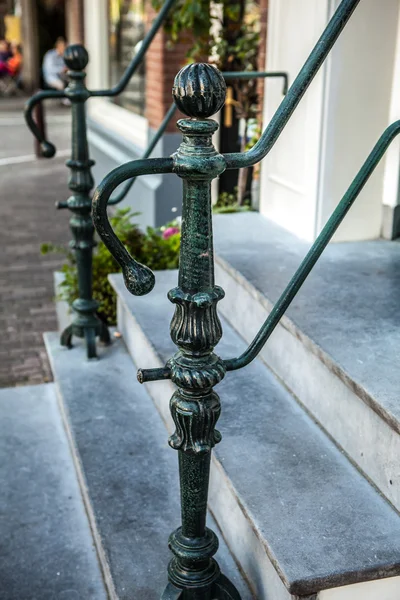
365 437
242 539
235 527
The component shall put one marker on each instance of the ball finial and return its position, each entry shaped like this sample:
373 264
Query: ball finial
199 90
48 149
76 57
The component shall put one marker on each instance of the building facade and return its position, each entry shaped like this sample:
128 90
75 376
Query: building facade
354 97
350 102
119 131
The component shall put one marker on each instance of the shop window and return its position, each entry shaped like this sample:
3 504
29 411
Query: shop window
127 30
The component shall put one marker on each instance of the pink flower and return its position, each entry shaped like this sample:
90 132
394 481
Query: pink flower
170 231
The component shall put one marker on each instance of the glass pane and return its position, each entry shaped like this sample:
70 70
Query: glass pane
127 29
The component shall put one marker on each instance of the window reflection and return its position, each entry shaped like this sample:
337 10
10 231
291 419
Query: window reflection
127 29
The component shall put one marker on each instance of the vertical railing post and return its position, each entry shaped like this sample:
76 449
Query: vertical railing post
86 323
199 92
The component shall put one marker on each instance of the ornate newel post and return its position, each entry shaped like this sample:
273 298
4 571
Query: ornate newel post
86 323
199 92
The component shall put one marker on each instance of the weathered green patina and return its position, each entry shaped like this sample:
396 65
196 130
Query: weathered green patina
195 328
86 322
173 108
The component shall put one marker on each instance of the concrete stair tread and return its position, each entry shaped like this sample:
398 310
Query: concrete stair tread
347 310
130 473
47 546
320 522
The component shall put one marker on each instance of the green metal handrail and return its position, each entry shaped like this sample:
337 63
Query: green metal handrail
316 250
153 143
48 149
86 322
138 278
296 90
138 58
199 92
228 75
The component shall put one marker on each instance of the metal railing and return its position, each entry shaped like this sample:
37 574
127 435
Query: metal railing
199 92
86 323
228 75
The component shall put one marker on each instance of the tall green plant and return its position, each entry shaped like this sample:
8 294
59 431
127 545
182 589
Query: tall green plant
228 34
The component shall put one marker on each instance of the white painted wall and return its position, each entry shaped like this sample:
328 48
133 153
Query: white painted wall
338 120
289 176
356 111
392 160
97 43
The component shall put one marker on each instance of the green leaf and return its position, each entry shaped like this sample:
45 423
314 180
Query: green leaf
149 248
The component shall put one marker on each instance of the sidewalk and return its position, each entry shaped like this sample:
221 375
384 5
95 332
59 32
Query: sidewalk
29 189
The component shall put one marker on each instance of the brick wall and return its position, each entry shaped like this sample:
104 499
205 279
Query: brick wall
162 64
74 21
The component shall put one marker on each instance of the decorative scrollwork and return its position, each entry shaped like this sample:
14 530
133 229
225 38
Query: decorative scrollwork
195 420
194 375
195 326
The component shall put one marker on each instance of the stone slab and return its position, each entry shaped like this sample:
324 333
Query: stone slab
46 546
347 308
319 521
359 422
130 473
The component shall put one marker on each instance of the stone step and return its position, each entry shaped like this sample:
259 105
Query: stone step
129 474
300 519
47 548
338 347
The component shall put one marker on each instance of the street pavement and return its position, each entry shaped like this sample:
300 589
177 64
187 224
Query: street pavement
29 189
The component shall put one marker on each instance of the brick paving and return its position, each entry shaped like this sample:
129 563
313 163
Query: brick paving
28 192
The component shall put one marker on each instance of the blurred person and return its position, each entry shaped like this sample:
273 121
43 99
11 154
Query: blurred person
4 51
10 71
4 56
14 63
53 68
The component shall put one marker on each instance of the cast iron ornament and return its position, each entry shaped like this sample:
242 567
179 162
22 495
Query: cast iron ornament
199 91
86 324
76 58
